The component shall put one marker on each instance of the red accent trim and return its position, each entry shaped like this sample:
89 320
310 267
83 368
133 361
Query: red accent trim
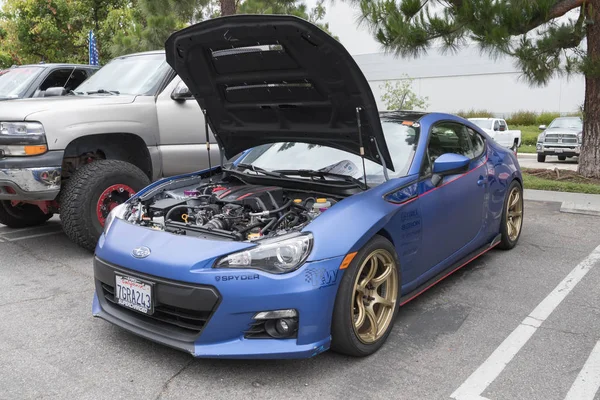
244 196
224 194
447 275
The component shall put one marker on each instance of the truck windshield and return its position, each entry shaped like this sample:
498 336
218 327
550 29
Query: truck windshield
483 123
15 81
566 123
135 75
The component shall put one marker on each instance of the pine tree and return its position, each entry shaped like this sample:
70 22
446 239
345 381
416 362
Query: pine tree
543 44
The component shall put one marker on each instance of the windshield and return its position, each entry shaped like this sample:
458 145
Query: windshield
401 141
136 75
15 81
567 123
482 123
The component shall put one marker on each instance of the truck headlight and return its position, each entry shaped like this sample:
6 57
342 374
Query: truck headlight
580 137
278 255
118 212
541 137
22 138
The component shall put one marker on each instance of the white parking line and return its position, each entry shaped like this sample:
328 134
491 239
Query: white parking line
487 372
32 236
588 381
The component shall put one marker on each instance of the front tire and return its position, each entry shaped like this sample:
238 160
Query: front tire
512 216
91 193
367 301
21 215
541 158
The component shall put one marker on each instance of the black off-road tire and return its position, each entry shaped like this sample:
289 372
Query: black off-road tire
343 337
505 242
21 216
81 192
562 158
541 158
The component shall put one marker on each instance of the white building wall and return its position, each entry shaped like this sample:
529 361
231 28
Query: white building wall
469 80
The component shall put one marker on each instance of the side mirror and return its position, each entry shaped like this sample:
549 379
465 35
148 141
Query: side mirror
182 93
542 127
449 164
55 91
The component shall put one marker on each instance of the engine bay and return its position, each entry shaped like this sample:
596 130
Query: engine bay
231 210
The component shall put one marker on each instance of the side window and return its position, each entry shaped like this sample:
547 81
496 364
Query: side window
57 78
76 79
477 143
447 137
496 125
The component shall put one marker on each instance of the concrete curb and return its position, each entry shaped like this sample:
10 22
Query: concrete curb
574 203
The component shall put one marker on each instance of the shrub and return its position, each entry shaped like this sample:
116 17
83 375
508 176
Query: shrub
522 118
546 117
472 113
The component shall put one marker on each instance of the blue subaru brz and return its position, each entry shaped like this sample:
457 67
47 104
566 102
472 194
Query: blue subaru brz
331 217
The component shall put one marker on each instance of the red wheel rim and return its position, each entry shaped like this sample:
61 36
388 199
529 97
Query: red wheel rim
111 197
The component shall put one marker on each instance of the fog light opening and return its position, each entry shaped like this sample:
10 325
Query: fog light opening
276 324
281 328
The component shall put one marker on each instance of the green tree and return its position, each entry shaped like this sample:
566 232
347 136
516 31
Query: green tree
399 96
544 41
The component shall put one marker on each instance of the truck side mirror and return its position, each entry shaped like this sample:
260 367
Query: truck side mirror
182 93
55 91
542 127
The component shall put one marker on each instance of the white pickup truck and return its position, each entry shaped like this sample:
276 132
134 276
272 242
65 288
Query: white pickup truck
498 130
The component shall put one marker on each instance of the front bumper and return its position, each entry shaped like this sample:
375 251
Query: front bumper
31 178
224 307
557 150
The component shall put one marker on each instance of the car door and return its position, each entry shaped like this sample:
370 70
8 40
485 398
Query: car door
182 135
453 211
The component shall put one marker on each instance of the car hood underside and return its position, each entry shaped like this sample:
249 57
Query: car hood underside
273 78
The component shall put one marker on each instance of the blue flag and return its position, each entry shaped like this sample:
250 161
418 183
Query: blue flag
93 50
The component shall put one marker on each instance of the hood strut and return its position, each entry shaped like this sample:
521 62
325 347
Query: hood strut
361 146
208 146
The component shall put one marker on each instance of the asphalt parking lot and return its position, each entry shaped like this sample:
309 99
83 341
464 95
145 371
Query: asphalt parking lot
468 336
530 161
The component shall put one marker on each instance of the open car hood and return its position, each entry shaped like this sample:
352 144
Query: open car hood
277 78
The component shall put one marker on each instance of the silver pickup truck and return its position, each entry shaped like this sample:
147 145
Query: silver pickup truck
82 154
561 138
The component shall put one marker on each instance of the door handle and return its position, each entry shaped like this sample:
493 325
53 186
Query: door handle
481 181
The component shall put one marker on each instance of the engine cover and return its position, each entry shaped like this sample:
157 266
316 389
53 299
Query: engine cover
259 198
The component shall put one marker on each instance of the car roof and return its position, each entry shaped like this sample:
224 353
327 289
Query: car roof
143 53
55 65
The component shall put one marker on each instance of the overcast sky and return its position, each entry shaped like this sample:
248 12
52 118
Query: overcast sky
343 23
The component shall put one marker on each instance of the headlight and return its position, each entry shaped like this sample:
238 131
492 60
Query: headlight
580 137
21 128
541 137
22 139
117 212
277 255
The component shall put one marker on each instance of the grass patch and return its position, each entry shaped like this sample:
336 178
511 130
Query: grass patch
527 148
559 181
529 133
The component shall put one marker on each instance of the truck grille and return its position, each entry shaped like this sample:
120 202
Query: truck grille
560 138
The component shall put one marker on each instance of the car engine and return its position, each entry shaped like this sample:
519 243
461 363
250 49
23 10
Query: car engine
228 211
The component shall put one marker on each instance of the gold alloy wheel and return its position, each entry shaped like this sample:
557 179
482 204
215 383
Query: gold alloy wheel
514 214
374 297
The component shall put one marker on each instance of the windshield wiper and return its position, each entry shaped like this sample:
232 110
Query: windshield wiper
258 169
75 93
104 91
310 173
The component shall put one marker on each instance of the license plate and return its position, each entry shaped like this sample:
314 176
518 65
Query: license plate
134 293
558 150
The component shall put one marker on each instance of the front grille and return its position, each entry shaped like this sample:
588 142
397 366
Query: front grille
181 310
560 138
189 320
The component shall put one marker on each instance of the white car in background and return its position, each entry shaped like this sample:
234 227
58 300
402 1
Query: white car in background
498 130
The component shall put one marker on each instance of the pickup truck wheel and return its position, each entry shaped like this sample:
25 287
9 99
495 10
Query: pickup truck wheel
21 215
562 158
92 192
515 147
541 157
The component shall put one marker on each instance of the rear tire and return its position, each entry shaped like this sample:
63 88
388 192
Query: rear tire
379 300
562 158
512 217
515 147
22 215
88 190
541 157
